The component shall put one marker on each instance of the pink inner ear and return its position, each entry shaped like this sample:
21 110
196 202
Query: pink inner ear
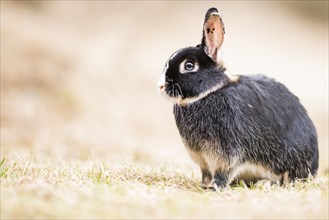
214 33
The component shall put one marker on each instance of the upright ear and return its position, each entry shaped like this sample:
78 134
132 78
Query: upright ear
213 34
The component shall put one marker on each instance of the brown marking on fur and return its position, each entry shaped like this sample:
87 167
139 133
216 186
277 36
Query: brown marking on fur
234 78
286 179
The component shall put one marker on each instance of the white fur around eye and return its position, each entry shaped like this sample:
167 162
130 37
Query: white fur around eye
183 70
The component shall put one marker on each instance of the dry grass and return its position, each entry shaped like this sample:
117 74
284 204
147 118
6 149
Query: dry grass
34 188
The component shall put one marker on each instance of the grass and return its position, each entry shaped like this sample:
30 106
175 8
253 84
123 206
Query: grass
34 188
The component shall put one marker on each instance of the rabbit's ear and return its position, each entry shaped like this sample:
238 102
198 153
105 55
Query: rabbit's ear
213 33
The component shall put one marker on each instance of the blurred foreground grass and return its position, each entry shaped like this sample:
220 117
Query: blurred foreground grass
45 188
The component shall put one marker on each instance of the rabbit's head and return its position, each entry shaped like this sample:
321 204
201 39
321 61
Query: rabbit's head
192 73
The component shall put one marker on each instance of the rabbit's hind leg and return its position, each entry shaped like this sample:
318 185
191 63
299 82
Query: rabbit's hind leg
206 178
220 180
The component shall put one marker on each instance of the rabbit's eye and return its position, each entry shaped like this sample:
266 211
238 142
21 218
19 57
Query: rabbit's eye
189 66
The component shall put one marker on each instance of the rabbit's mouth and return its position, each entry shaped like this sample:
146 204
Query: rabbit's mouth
171 91
174 90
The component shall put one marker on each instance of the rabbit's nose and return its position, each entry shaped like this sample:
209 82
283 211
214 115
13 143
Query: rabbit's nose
161 86
162 81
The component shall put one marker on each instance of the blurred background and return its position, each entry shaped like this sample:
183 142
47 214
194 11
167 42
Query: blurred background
78 78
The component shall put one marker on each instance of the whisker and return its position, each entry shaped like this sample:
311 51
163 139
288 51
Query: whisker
169 92
180 90
170 80
173 86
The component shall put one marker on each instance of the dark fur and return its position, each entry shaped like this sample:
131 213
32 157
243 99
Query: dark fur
254 120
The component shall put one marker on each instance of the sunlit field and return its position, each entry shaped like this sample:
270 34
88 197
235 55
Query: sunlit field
98 189
86 135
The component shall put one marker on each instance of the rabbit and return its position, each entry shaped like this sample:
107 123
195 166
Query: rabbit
236 127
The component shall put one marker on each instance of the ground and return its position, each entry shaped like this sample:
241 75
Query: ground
45 188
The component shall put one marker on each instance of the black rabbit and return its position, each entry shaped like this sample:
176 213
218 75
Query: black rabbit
236 127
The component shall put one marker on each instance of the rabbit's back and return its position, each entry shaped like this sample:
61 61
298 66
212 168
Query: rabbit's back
256 120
